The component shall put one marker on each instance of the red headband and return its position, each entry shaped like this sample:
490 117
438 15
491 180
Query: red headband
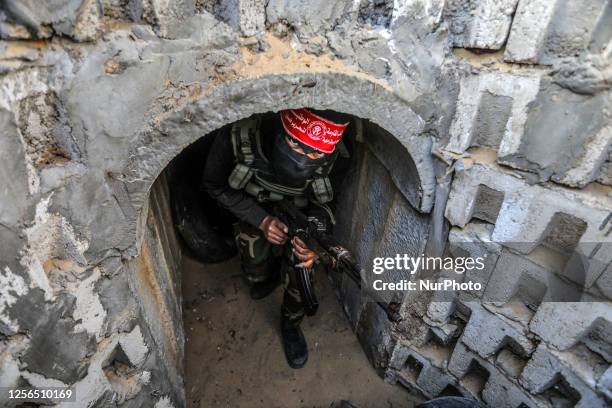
312 130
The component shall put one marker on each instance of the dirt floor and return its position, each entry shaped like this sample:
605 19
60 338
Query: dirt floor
234 358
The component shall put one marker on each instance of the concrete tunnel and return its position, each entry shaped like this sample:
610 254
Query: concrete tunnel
363 167
475 131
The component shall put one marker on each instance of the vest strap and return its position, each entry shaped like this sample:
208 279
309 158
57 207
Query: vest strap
240 176
242 141
322 189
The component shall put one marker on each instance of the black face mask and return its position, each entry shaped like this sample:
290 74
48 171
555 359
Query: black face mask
290 166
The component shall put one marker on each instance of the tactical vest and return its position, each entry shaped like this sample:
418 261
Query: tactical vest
253 172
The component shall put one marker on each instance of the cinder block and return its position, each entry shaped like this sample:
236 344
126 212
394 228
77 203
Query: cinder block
545 30
475 106
479 24
399 356
529 30
487 333
531 215
433 381
440 317
436 353
510 113
510 363
471 241
519 279
499 392
563 325
474 241
440 309
568 377
487 381
571 153
587 167
424 369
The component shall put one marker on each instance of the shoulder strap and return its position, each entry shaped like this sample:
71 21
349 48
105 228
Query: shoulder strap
243 133
322 189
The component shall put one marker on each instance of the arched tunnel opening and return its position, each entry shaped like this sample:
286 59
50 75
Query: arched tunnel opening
232 343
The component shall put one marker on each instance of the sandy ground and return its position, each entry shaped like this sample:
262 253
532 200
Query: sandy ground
234 357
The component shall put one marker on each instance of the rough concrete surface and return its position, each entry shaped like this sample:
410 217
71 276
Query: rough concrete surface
503 103
234 357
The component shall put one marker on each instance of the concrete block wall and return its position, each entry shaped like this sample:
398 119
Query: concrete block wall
512 113
97 96
539 309
542 31
479 24
509 113
531 197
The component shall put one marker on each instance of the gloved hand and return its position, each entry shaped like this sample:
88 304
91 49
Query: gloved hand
303 253
274 230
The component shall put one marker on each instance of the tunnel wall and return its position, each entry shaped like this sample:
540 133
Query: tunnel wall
375 219
155 279
96 97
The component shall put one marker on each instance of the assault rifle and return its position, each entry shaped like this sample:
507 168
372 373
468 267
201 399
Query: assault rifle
313 232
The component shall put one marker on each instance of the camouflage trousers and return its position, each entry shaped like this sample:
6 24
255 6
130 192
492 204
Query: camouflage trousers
262 260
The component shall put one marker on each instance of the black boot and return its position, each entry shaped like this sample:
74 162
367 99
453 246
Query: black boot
260 290
294 344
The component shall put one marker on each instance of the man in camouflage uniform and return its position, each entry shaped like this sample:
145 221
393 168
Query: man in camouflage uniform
247 171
